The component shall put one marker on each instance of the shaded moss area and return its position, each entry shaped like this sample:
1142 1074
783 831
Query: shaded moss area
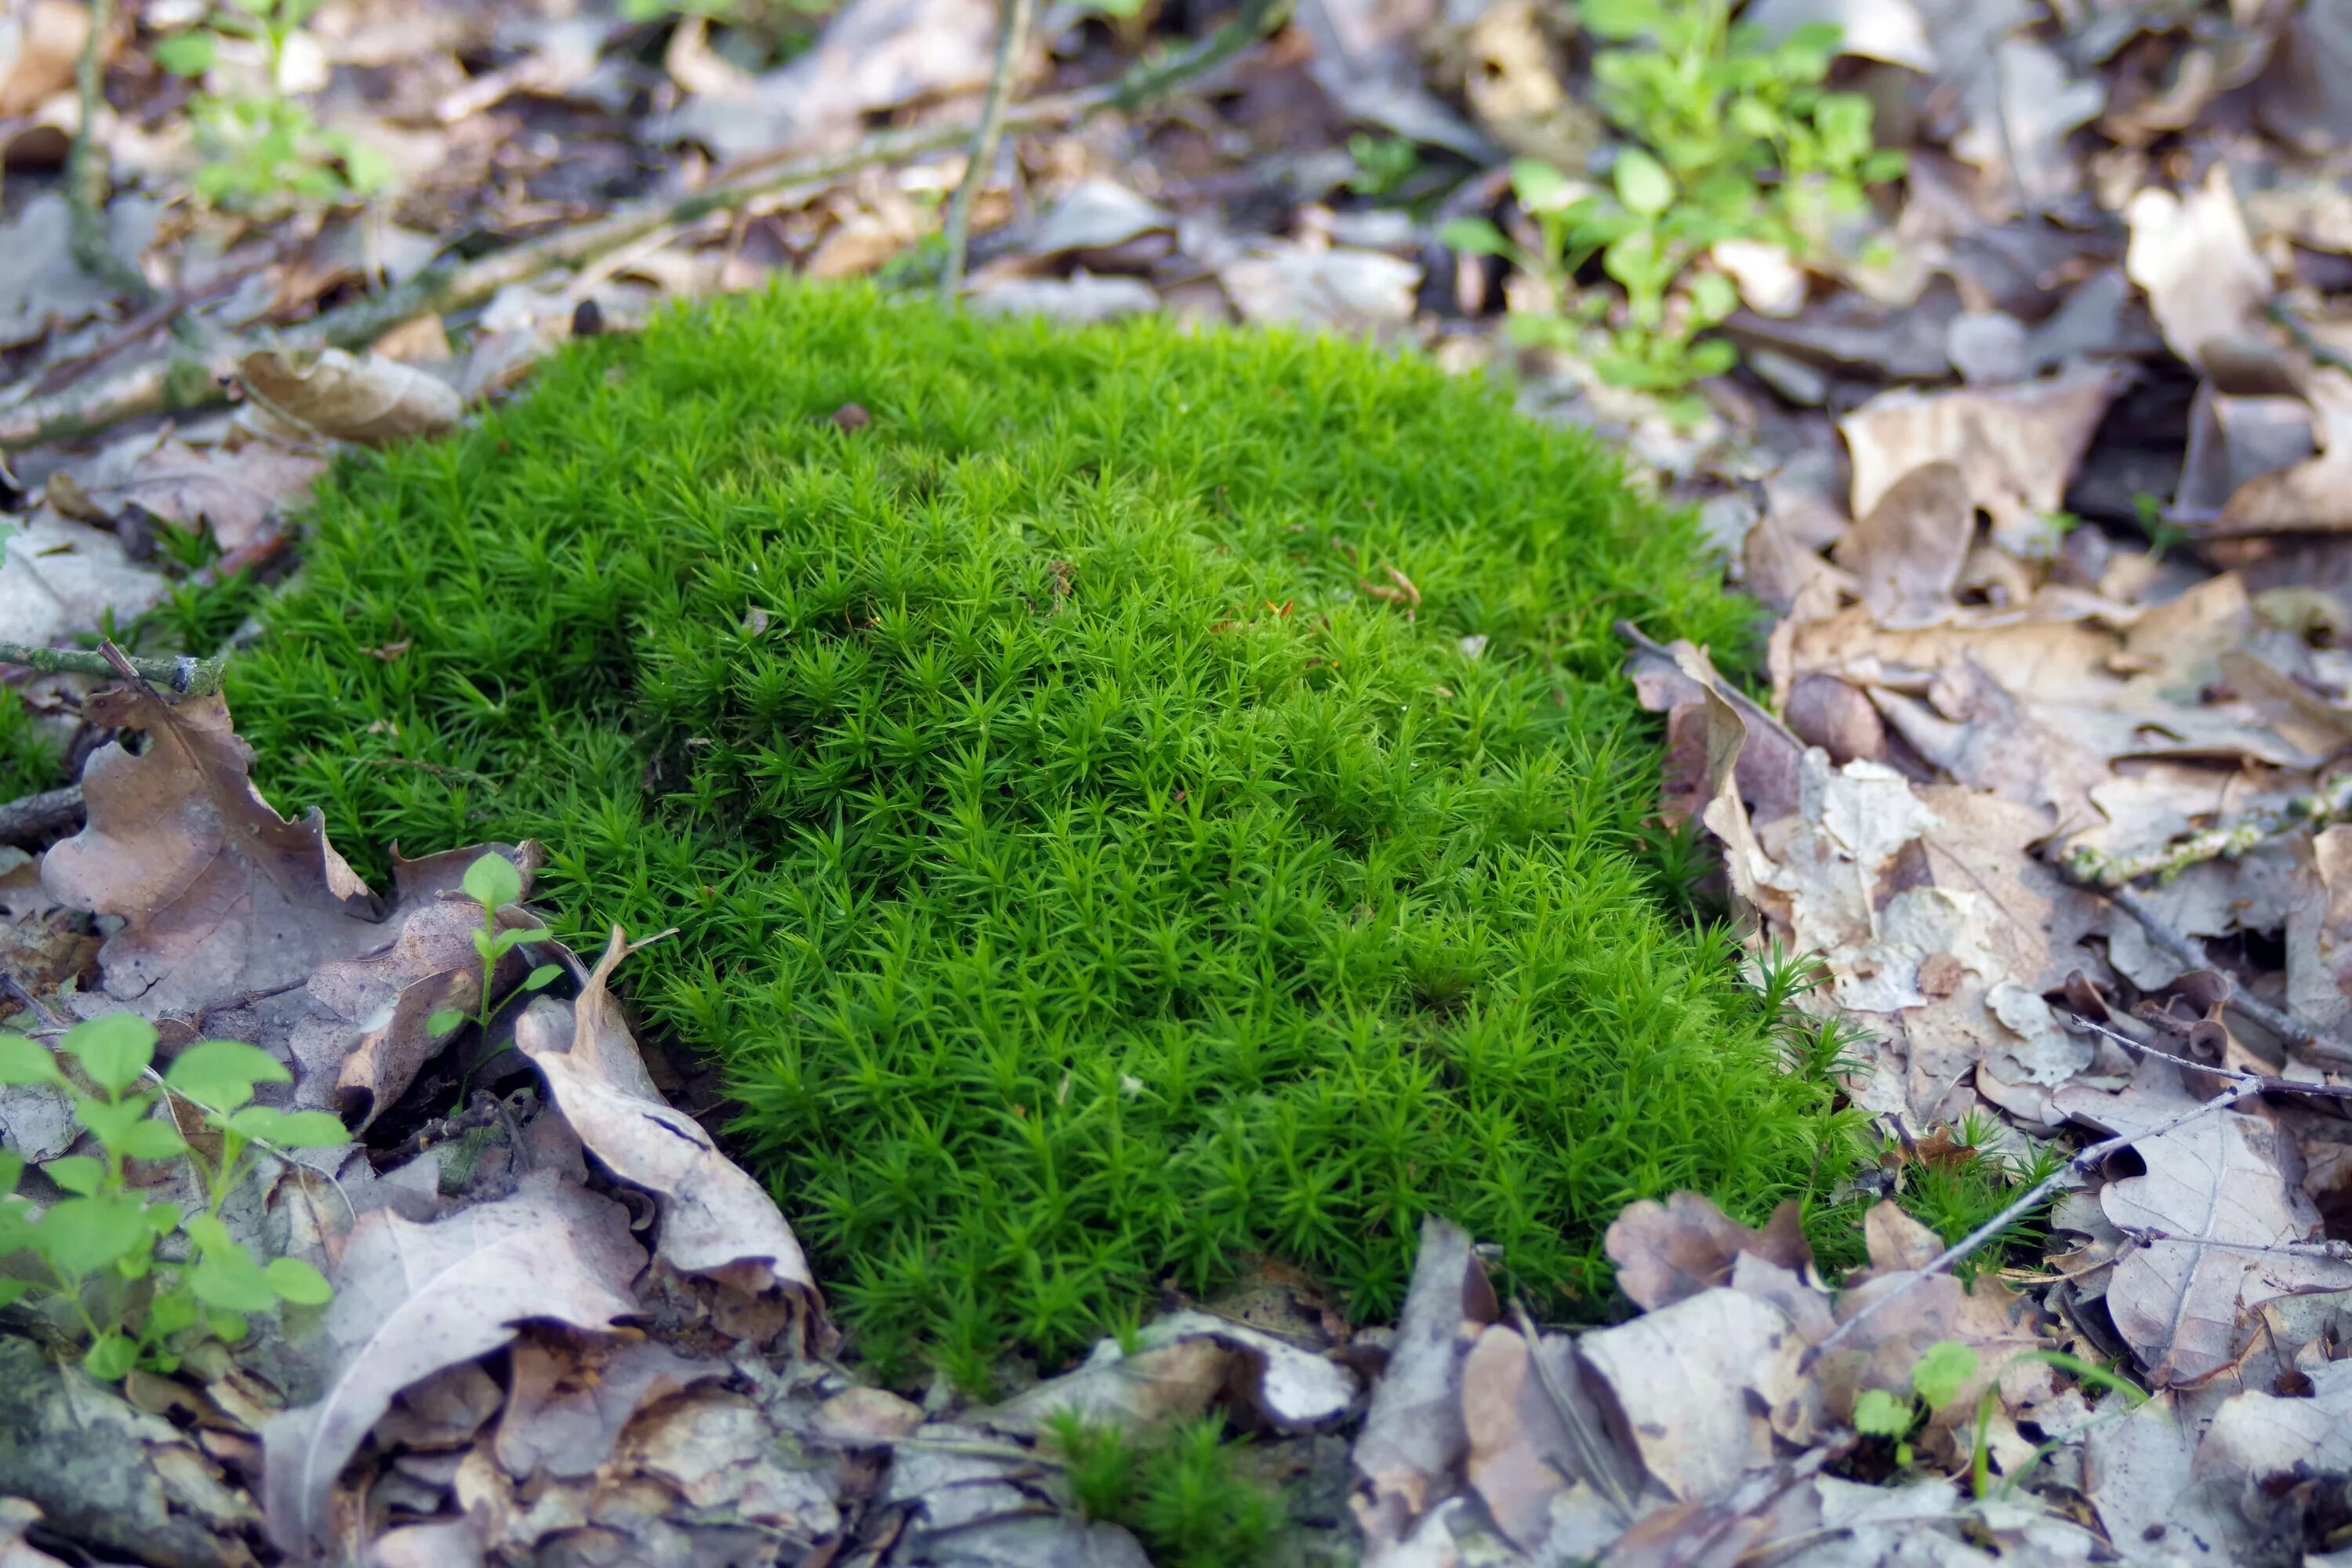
1140 801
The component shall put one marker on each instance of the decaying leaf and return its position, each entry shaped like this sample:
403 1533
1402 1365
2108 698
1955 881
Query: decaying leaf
219 895
715 1219
364 398
1695 1384
1180 1363
1413 1434
1665 1252
1539 1456
2190 253
2185 1305
568 1400
1345 291
413 1299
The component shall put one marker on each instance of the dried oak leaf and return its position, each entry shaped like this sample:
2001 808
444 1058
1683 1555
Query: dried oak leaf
1413 1434
1536 1440
1181 1363
2185 1305
570 1400
1665 1252
411 1300
219 893
2192 256
368 399
715 1219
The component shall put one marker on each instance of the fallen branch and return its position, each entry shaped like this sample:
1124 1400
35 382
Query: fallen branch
2091 869
189 677
2188 951
89 178
2082 1165
192 379
34 817
1011 36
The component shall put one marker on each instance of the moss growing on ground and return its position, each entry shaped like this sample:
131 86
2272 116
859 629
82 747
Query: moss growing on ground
1135 802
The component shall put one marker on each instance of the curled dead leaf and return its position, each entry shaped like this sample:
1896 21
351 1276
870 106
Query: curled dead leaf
369 399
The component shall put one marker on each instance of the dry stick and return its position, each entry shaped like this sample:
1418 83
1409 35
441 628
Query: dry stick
89 173
2186 950
42 815
2095 868
189 677
2081 1165
1010 40
194 379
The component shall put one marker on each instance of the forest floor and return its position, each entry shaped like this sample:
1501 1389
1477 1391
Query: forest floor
2039 464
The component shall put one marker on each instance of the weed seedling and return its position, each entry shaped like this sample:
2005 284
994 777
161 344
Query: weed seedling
263 146
492 882
1947 1367
1728 138
97 1247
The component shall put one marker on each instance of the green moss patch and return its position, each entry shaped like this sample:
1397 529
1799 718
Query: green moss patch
1138 801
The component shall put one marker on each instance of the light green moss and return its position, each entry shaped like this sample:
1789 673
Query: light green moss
1092 865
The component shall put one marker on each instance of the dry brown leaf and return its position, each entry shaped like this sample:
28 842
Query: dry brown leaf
368 399
2190 253
411 1300
2186 1308
1530 1461
1344 290
569 1400
1906 552
238 494
720 1452
219 895
58 578
41 286
1665 1252
1180 1363
714 1218
1413 1435
40 42
2016 447
1695 1385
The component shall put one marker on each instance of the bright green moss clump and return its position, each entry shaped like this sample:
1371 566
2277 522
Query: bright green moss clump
1092 866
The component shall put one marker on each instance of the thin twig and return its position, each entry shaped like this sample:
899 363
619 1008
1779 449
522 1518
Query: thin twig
189 677
2147 1235
1011 36
2270 1083
2189 953
194 378
42 815
88 174
2082 1164
2094 869
1592 1450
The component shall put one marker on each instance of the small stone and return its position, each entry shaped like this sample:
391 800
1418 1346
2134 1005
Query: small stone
851 416
587 318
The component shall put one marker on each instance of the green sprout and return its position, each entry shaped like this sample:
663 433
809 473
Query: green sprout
99 1250
492 882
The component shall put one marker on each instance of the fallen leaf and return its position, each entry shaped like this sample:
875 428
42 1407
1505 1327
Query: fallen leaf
1533 1462
1181 1361
1905 554
2015 447
369 399
41 286
1079 298
40 42
2022 103
1693 1385
568 1400
60 578
714 1218
1666 1252
2138 1473
720 1452
1094 216
411 1300
2190 253
2184 1307
1413 1435
237 494
219 895
1889 30
1344 290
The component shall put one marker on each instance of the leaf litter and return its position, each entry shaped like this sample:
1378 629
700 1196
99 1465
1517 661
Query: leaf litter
2049 511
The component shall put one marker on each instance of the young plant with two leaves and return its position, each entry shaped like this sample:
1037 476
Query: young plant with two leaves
1726 137
140 1277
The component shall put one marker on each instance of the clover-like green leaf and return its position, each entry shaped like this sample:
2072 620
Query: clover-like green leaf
220 1074
1474 236
296 1281
492 881
77 1173
542 977
112 1356
1878 1414
1943 1370
153 1139
24 1061
185 53
113 1050
81 1236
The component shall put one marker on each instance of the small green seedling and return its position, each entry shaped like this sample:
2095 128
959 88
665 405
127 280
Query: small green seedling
2163 533
101 1246
259 148
1943 1370
1728 138
1383 163
492 882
